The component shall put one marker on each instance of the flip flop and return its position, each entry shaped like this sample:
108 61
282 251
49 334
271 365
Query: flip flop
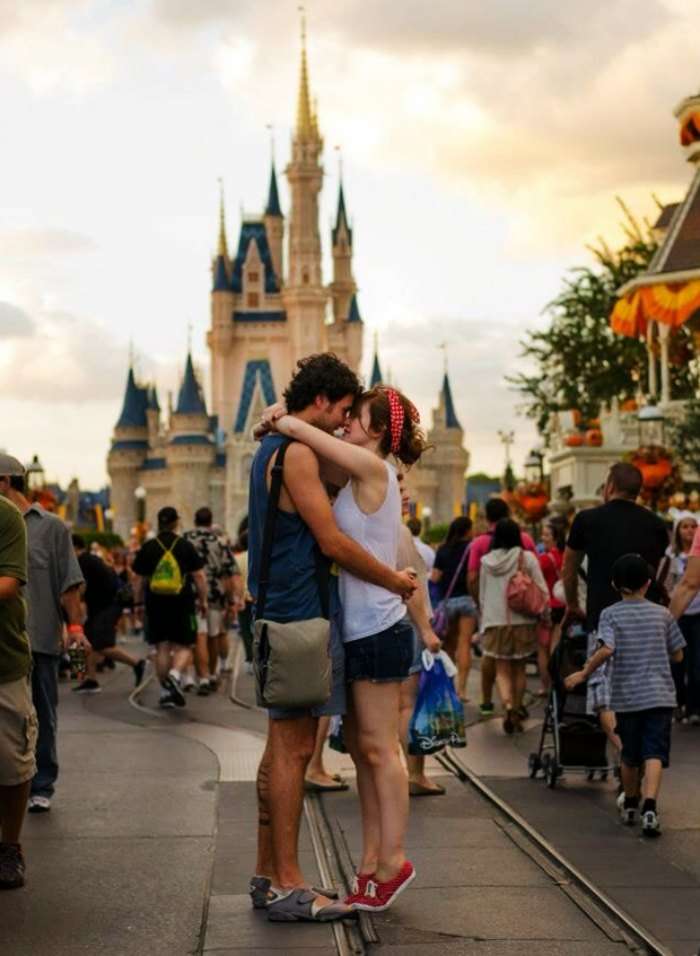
298 906
311 787
419 790
261 892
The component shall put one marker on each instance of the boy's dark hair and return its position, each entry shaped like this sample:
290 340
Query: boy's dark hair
322 374
78 542
626 479
506 535
496 508
415 526
630 573
203 518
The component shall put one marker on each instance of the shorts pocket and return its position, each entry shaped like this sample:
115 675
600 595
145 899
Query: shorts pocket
31 730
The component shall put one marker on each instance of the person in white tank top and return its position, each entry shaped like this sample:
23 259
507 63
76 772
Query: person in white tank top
378 636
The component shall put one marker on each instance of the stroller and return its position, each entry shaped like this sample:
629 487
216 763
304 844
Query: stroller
571 739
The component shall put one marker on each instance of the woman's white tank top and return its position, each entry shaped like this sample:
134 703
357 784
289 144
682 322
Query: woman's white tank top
368 609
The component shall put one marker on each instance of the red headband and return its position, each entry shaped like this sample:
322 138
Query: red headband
397 416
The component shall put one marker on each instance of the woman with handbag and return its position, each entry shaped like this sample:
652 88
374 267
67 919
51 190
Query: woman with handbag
457 611
512 595
377 634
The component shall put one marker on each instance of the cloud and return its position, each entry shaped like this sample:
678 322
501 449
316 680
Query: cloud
15 323
22 243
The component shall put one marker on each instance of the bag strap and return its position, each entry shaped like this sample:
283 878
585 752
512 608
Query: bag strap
172 546
322 567
453 582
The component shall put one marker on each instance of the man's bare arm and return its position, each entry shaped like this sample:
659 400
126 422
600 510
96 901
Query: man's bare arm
569 576
473 585
70 600
686 589
303 483
9 588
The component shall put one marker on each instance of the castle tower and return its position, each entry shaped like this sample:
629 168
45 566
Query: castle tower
304 295
274 223
376 376
190 451
220 335
450 459
153 416
345 334
127 454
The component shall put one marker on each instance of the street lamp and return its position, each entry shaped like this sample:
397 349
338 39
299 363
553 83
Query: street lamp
36 477
426 514
533 467
651 426
140 495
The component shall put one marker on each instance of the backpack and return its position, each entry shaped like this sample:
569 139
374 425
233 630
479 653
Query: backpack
167 578
522 594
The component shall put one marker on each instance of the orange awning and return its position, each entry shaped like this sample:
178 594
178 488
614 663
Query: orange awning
671 304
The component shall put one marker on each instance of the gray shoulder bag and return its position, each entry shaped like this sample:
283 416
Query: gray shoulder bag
292 661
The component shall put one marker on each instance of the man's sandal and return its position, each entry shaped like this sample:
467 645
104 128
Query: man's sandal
301 906
261 892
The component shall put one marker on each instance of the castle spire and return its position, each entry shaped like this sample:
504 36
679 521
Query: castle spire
222 249
190 400
273 207
307 121
451 420
341 218
133 413
376 376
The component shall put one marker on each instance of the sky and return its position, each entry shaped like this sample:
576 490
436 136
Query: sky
482 149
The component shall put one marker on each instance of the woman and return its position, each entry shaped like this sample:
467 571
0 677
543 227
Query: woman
461 610
551 559
508 636
377 634
671 570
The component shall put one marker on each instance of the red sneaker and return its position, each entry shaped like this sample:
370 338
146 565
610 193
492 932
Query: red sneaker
358 888
379 896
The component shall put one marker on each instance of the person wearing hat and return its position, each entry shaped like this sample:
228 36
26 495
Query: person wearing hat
643 639
171 622
52 593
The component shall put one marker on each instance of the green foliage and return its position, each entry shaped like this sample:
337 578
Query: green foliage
481 476
435 534
107 539
685 436
579 362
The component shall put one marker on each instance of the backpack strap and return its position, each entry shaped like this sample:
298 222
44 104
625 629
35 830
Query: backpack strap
455 576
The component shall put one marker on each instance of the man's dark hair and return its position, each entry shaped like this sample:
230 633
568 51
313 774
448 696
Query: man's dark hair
626 479
18 483
322 374
506 535
415 526
167 518
496 508
78 542
459 528
243 541
203 517
630 573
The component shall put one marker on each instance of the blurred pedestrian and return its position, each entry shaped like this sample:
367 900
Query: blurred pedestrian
415 526
551 559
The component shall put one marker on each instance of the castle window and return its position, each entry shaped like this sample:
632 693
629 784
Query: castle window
253 300
305 277
253 277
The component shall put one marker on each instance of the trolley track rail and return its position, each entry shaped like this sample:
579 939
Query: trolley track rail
596 904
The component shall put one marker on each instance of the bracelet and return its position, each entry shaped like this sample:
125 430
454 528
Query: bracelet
75 629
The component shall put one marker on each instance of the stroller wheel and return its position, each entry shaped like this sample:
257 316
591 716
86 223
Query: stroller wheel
551 772
603 775
534 765
590 775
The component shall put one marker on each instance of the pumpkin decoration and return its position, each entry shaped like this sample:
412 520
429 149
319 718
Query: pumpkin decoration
532 499
655 468
574 440
594 437
629 405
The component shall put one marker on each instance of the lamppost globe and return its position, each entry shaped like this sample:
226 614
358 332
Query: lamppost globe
652 423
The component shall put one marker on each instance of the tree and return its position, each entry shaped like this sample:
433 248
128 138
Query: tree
685 436
580 363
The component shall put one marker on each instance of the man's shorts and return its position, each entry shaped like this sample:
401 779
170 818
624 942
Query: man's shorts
335 704
101 628
176 625
645 735
213 624
18 731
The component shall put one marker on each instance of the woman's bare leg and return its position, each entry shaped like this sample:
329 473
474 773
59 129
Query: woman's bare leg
463 655
519 682
369 803
316 772
504 682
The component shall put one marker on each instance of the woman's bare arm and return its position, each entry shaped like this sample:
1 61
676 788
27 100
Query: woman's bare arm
358 462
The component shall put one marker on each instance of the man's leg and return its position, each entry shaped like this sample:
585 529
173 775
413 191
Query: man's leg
45 697
630 780
290 743
651 782
265 865
162 662
13 804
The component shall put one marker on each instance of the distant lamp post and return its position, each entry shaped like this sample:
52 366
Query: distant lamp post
140 495
533 467
109 518
652 422
426 514
36 477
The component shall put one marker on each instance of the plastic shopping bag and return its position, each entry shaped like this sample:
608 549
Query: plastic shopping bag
438 717
336 739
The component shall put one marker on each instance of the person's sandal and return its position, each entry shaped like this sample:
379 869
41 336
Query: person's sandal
261 892
420 790
299 906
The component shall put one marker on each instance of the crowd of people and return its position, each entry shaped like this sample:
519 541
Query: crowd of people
336 597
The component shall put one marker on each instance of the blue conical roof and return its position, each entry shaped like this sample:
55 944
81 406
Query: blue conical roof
376 378
354 311
190 400
450 414
273 207
341 218
133 414
221 280
153 404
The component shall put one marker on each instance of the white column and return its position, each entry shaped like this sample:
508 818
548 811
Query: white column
653 382
664 334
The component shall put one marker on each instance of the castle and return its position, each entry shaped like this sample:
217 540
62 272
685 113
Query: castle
263 319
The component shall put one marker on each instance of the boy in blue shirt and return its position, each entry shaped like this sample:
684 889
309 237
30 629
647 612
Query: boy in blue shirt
644 638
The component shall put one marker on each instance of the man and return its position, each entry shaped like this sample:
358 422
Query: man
603 534
684 592
224 594
171 624
322 393
496 509
103 613
415 526
17 716
53 590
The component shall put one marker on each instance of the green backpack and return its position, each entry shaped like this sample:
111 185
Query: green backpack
167 578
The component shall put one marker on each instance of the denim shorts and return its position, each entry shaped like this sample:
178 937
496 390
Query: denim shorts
645 735
462 606
386 656
418 648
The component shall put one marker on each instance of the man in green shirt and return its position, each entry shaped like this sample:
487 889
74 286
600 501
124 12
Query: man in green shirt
18 724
